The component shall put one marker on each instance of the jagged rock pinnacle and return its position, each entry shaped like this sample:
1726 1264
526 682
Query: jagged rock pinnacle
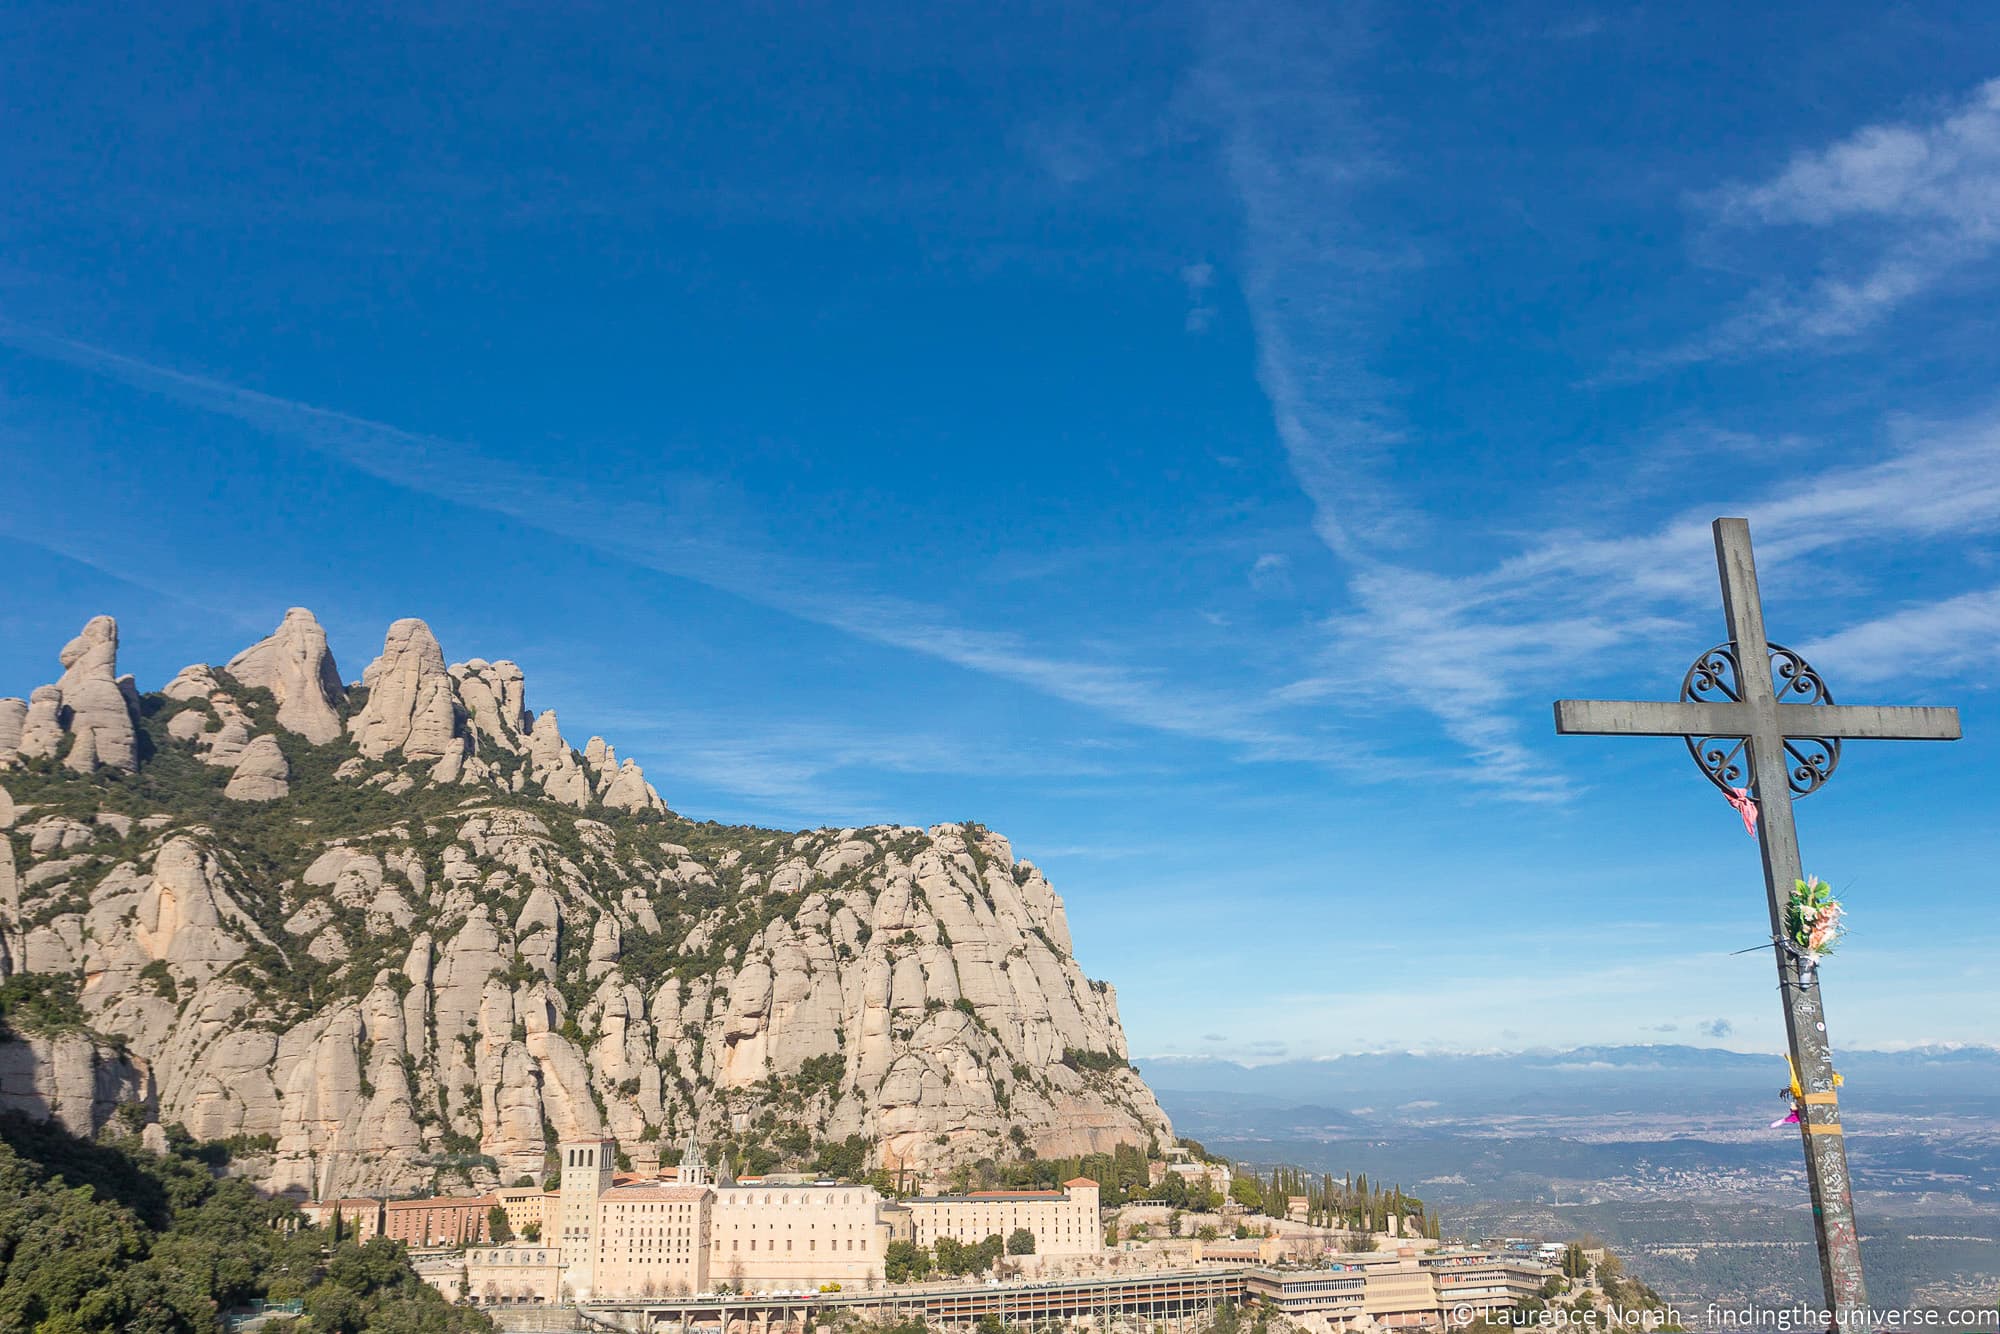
88 705
296 666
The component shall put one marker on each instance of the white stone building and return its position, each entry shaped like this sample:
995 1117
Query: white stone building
651 1240
604 1240
798 1236
1062 1222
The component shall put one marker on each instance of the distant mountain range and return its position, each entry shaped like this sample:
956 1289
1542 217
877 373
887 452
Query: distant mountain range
1402 1087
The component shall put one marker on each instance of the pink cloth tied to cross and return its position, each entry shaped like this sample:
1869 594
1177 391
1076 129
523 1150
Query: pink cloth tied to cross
1739 797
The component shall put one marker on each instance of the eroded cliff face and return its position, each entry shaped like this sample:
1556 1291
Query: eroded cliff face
404 934
73 1079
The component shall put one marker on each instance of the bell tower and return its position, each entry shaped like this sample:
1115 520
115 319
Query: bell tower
586 1174
694 1163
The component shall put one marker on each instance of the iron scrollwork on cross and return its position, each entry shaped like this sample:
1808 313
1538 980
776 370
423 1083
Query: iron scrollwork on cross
1714 679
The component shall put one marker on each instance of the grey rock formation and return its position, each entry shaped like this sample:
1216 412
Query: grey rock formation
296 666
97 713
194 682
410 707
13 716
262 774
219 729
91 705
70 1079
42 725
628 790
495 696
555 765
457 937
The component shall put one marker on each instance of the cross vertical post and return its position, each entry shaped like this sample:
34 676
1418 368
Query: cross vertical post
1806 1037
1761 734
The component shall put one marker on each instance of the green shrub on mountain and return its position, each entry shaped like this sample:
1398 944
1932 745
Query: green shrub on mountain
104 1236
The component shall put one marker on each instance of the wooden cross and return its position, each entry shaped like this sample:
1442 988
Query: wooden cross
1761 724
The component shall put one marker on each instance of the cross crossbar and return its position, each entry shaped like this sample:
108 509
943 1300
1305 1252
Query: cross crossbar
1645 717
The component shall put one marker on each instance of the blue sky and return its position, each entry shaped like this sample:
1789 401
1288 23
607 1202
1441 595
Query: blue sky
1196 441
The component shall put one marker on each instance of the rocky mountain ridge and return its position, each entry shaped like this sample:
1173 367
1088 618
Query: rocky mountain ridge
401 934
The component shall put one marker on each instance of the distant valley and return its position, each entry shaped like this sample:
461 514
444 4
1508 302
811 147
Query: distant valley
1663 1151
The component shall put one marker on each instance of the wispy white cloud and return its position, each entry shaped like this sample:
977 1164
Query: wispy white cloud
1898 208
1473 649
1957 636
1271 572
1199 279
818 770
676 534
1576 27
1298 157
1946 171
210 603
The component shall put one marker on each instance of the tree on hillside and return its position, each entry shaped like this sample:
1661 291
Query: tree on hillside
952 1256
104 1236
906 1262
987 1252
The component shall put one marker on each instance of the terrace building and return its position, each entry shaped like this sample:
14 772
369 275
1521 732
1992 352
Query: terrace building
447 1220
360 1217
1062 1222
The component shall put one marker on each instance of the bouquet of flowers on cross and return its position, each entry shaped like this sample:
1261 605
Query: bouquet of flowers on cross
1813 920
1814 924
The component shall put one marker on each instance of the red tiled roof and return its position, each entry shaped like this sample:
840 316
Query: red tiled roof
1079 1181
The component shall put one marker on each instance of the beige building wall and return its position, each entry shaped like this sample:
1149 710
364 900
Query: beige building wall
446 1274
652 1241
586 1174
360 1217
505 1275
797 1236
1400 1291
524 1207
1063 1222
445 1220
